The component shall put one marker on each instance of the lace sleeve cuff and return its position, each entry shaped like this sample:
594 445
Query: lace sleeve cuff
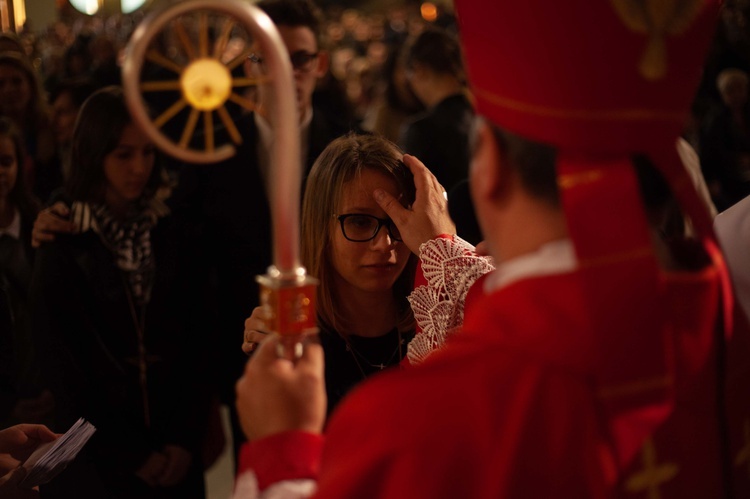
450 267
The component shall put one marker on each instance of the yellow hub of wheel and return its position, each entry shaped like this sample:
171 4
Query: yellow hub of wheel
206 84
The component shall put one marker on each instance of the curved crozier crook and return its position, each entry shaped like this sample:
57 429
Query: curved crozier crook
205 83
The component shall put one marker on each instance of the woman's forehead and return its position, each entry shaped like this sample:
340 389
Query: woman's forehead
357 192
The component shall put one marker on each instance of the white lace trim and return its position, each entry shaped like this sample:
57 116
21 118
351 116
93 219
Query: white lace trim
246 487
450 267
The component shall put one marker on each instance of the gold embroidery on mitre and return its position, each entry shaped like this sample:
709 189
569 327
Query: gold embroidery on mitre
570 180
652 476
614 258
580 114
657 19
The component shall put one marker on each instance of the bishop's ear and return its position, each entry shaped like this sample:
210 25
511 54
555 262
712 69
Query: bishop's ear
486 164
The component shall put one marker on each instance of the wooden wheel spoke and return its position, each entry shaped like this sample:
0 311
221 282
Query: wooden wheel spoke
208 124
155 57
187 133
185 41
203 34
170 113
239 59
221 43
242 101
160 86
247 82
231 128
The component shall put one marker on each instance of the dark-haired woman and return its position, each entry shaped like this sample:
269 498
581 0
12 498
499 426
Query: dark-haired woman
440 135
397 102
114 309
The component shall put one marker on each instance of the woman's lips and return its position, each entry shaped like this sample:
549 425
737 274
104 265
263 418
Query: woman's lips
380 266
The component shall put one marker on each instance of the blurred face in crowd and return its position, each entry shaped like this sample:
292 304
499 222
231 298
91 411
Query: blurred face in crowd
64 114
15 89
308 65
370 266
128 167
417 78
8 167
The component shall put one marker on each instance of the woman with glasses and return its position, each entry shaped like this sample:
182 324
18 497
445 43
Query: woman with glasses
364 268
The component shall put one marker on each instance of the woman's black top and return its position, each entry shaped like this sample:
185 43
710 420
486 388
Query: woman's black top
348 362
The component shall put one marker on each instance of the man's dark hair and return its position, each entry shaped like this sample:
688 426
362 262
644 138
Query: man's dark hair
294 14
534 163
436 49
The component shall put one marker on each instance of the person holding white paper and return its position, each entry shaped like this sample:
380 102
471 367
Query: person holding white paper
16 445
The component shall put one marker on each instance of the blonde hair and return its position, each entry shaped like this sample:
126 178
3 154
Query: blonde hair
344 159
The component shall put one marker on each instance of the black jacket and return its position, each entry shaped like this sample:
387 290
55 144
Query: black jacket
82 321
439 137
19 370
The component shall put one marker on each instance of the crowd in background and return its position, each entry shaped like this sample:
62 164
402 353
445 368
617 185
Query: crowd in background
367 85
396 72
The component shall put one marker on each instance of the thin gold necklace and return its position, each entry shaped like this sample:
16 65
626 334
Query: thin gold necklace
380 366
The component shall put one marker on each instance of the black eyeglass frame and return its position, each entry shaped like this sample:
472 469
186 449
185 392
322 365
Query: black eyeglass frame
387 222
300 60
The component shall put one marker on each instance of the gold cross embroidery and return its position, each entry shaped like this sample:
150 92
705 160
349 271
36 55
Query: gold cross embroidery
656 19
744 455
651 477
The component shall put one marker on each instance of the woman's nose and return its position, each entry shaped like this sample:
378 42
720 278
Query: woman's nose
382 239
140 164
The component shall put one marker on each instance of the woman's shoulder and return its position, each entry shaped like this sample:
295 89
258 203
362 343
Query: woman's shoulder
173 233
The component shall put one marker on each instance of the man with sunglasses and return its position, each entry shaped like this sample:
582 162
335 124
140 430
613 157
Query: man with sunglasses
298 23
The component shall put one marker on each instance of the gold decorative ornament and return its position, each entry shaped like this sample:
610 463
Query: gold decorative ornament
657 19
653 475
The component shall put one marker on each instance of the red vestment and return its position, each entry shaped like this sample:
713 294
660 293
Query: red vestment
516 405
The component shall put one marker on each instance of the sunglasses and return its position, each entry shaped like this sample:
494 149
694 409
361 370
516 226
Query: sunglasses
301 60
